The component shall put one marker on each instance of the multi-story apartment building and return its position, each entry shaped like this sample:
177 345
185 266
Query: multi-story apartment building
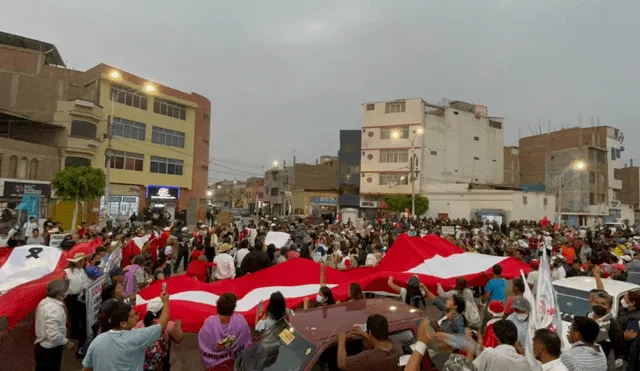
309 189
349 156
254 195
630 192
582 167
446 143
229 194
54 117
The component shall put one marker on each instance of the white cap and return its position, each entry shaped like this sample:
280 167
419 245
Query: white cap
114 243
166 229
273 224
185 229
154 305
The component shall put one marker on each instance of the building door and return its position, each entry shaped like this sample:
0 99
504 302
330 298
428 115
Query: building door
443 216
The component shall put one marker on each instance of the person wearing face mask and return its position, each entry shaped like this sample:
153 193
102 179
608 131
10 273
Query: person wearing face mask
629 320
324 296
610 337
382 356
520 317
557 270
547 348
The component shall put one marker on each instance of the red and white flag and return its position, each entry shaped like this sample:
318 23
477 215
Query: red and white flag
25 272
433 259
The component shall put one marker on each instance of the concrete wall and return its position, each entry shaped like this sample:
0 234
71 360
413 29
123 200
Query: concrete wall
630 193
458 201
460 147
511 166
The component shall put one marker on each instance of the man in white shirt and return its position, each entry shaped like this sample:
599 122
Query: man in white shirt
504 357
35 238
51 327
29 226
532 277
225 266
547 348
557 270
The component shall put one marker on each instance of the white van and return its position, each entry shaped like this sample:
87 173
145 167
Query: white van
573 297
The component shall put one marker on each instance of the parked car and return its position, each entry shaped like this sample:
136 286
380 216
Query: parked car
573 297
308 340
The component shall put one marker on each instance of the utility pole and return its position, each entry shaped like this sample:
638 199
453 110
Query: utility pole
108 153
413 185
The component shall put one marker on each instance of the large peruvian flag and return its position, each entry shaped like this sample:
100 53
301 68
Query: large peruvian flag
25 272
431 258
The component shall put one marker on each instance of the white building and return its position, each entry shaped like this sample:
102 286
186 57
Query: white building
449 143
457 201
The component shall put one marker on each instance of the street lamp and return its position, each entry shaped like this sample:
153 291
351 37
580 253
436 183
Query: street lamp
419 133
579 165
209 193
115 75
395 135
149 87
275 164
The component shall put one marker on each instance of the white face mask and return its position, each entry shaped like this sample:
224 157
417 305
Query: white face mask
522 316
624 303
319 298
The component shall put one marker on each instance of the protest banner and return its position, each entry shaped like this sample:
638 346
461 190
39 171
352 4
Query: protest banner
56 239
253 233
448 230
114 260
93 299
279 239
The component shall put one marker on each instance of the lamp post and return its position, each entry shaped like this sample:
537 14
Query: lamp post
395 135
578 165
114 75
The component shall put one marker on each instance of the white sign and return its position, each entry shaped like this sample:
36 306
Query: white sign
114 260
253 233
56 239
445 230
279 239
93 299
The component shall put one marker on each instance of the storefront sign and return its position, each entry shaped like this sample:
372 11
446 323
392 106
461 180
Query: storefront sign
323 201
163 192
17 189
448 230
93 299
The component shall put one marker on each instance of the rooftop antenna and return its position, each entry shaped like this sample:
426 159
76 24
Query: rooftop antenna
591 121
294 156
580 120
598 121
539 126
531 130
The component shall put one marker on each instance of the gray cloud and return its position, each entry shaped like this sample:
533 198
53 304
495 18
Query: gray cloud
290 74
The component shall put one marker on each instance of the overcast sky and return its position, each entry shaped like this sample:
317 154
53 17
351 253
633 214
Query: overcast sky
289 74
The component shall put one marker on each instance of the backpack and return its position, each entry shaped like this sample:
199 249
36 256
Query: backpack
471 314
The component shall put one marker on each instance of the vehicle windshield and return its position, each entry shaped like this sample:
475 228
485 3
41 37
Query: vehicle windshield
279 348
573 302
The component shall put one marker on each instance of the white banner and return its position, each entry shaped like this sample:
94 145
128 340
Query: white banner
279 239
56 239
448 230
27 263
93 299
114 260
253 233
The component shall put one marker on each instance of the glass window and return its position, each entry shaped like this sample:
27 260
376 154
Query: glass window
394 155
130 97
83 129
167 137
127 161
394 107
128 129
169 108
164 165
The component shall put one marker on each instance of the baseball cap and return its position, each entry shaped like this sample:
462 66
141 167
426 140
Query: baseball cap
534 263
521 303
154 305
117 271
184 229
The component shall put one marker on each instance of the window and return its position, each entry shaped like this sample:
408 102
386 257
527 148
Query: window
167 137
274 191
128 129
592 199
617 174
495 124
13 167
398 179
394 155
592 177
602 157
524 200
83 129
76 162
385 133
164 165
600 198
169 108
33 169
434 153
23 167
544 201
130 97
371 107
207 117
613 154
1 160
127 161
261 195
476 158
617 153
477 139
394 107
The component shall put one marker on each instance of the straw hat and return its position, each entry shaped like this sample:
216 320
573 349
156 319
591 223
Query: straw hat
224 247
77 257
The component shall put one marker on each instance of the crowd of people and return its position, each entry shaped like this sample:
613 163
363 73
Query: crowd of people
483 328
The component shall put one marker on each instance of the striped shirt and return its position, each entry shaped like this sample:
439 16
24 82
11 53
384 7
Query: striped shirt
582 357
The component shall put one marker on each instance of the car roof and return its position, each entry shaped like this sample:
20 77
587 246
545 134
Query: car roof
584 283
318 324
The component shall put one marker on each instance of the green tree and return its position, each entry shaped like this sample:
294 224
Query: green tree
82 183
400 203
